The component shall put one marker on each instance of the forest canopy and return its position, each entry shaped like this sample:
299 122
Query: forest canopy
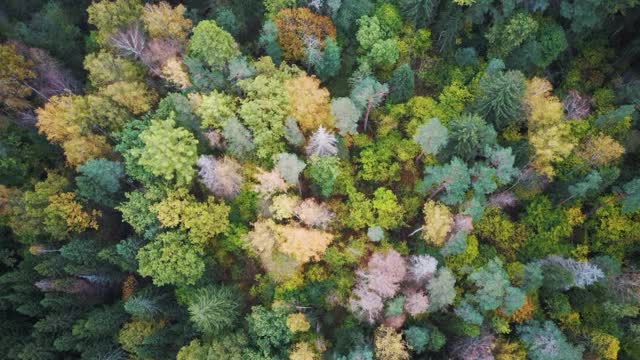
320 179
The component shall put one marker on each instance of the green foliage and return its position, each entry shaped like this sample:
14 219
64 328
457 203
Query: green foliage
469 135
212 44
100 181
269 330
401 84
324 172
171 259
545 341
213 309
168 151
500 97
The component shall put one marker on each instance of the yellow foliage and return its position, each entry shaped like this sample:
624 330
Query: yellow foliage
14 73
550 144
297 323
64 120
548 135
161 20
308 103
437 223
135 96
600 150
303 244
204 220
542 108
76 219
174 70
389 344
303 351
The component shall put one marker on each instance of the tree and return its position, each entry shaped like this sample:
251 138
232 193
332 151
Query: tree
389 344
264 111
203 220
346 115
134 96
100 181
108 16
366 94
313 214
431 136
171 259
437 223
213 309
418 12
289 167
239 142
104 68
64 215
321 143
469 135
215 109
324 172
68 120
453 178
268 329
162 21
221 176
53 29
544 341
296 26
401 84
168 151
441 289
582 273
590 185
548 136
302 244
479 347
308 103
14 77
212 44
327 64
389 214
494 290
576 106
416 303
500 97
421 268
600 151
631 200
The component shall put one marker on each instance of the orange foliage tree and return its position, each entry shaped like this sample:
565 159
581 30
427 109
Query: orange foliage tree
299 26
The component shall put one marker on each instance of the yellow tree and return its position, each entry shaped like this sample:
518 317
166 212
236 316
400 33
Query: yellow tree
600 150
66 121
15 72
162 21
548 135
308 102
437 223
389 344
107 16
134 96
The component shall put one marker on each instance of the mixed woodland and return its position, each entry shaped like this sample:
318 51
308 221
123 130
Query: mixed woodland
320 179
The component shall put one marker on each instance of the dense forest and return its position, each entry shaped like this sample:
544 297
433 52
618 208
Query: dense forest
320 179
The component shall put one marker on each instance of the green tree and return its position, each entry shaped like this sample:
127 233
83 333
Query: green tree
453 178
469 135
213 309
100 181
431 136
168 151
500 97
401 84
324 172
171 259
389 214
212 44
268 329
544 341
